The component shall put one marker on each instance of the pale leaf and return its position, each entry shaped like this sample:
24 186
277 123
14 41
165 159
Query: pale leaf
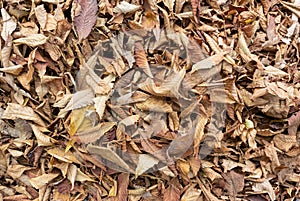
87 17
41 181
32 40
8 25
15 70
71 174
100 104
125 7
15 111
79 100
41 15
191 194
109 155
146 161
81 177
42 139
16 171
169 4
208 62
155 104
264 187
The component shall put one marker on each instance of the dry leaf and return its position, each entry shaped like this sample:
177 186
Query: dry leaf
264 187
15 111
42 180
93 134
123 181
85 18
32 40
42 139
60 154
9 25
79 99
146 161
172 193
141 59
125 7
109 155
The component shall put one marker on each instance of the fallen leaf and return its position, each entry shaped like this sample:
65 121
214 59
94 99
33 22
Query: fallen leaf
85 18
264 187
32 40
125 7
9 25
40 181
109 155
15 111
146 161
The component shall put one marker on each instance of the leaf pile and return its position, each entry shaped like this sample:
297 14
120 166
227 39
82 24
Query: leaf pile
149 100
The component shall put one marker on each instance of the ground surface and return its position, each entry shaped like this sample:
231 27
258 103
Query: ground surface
149 100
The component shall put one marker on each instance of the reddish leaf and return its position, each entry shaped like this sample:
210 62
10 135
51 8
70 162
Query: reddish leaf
86 17
172 193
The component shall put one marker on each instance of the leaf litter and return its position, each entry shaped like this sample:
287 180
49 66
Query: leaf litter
149 100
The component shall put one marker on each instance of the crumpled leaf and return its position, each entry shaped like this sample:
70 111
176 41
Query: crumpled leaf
9 25
15 111
85 17
167 88
42 139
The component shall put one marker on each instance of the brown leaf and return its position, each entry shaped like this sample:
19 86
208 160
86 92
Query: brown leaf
15 111
141 59
125 7
94 133
234 183
172 193
109 155
123 181
294 122
85 18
